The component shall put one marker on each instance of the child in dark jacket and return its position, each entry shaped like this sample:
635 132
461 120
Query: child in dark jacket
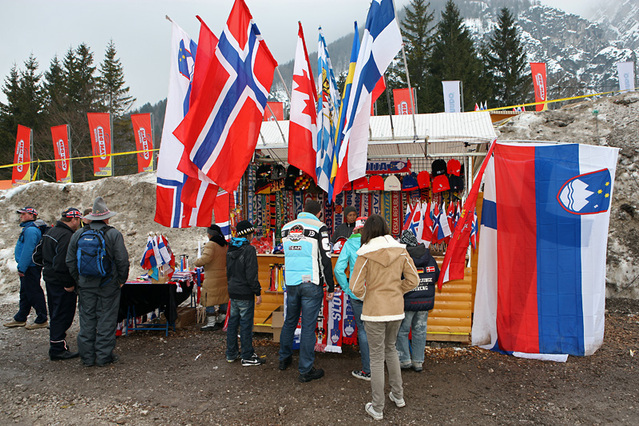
243 284
417 303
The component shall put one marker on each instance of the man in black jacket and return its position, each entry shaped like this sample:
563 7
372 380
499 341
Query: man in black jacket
51 253
241 274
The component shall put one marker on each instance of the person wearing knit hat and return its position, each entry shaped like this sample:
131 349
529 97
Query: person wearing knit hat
245 292
417 303
31 294
347 258
214 287
346 229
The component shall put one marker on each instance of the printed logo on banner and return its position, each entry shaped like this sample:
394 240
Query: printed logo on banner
144 141
540 84
386 167
376 207
100 139
20 151
350 326
62 153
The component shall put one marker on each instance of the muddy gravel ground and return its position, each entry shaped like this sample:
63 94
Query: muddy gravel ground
184 379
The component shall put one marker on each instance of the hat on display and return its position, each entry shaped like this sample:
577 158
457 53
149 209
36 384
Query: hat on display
244 228
409 183
361 183
392 184
100 211
456 183
438 167
376 183
359 223
423 179
72 212
292 173
409 239
440 184
453 167
28 210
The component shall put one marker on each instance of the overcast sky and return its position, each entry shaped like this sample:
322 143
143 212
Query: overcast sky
141 33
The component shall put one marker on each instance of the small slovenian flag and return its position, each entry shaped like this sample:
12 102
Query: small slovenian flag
542 252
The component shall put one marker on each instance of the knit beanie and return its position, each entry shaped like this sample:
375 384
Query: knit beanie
244 228
409 239
349 209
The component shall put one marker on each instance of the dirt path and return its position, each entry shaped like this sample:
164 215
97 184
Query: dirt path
185 379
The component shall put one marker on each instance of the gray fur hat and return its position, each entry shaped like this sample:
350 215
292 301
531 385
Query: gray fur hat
100 211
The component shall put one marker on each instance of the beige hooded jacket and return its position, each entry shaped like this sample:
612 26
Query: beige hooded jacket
377 279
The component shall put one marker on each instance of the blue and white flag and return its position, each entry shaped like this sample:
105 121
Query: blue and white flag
380 43
328 102
541 279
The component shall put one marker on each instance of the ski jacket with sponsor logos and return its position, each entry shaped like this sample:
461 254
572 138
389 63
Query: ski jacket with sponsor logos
307 252
422 297
383 272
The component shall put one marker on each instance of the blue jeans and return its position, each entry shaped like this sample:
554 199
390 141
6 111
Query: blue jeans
417 321
307 299
362 340
242 312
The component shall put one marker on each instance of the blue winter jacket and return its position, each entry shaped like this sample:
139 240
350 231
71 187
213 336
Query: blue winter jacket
347 257
307 252
27 242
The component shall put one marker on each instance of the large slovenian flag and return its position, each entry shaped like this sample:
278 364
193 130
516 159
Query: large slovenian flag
169 209
380 43
221 129
328 105
302 131
542 249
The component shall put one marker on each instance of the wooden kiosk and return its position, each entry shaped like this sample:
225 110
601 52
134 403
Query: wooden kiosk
420 139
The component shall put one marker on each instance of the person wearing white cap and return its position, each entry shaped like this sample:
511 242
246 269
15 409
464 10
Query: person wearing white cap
99 294
31 294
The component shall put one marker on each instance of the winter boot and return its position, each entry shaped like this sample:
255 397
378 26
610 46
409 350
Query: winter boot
211 324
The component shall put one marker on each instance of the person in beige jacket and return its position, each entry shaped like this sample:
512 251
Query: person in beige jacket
214 287
383 272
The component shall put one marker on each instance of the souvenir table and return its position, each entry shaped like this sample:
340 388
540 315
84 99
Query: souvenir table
140 297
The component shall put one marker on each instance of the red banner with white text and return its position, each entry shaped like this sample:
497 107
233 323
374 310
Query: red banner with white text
22 172
143 141
61 151
403 102
539 81
100 129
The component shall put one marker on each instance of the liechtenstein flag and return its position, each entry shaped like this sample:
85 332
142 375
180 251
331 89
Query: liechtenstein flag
542 249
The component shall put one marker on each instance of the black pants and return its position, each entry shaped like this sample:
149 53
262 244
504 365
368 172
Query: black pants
31 296
61 311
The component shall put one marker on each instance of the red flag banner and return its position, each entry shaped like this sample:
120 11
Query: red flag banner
455 258
278 110
100 129
22 172
61 151
539 81
143 141
403 102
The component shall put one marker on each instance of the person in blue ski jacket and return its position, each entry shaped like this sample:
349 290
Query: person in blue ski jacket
347 258
31 293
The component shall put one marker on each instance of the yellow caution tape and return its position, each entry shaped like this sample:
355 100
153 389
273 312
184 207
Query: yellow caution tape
115 154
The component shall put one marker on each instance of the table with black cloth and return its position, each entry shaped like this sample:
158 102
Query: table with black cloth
142 297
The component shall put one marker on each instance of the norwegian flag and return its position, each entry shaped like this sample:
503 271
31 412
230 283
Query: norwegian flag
220 131
441 228
408 217
473 230
224 203
426 234
450 215
302 131
415 219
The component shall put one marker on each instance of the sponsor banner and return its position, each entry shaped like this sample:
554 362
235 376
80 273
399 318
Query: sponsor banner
403 102
452 96
22 172
278 110
143 141
386 201
375 202
396 224
100 129
60 136
349 336
538 70
626 71
335 323
387 167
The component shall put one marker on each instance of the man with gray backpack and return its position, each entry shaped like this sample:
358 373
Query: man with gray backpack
99 262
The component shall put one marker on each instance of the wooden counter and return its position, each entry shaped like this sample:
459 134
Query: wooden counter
450 319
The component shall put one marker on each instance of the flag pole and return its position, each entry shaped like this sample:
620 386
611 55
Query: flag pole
282 80
152 141
70 155
276 122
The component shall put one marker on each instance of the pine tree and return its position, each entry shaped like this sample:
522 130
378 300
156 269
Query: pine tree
31 100
453 57
417 32
8 120
114 96
506 59
54 88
